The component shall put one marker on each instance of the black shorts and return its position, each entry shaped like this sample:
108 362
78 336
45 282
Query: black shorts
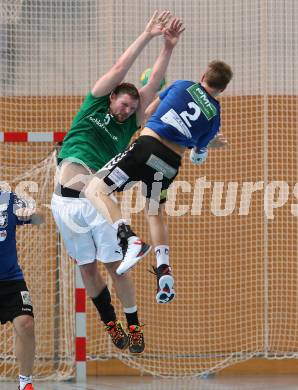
146 160
14 300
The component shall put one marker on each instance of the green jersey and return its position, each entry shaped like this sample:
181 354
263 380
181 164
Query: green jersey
95 137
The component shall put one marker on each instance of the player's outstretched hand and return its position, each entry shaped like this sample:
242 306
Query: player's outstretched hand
25 213
158 23
173 32
218 142
198 156
35 216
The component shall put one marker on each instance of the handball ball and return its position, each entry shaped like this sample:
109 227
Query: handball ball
145 78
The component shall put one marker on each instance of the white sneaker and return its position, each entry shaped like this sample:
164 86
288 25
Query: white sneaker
136 250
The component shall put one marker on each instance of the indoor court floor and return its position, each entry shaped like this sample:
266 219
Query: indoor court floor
243 382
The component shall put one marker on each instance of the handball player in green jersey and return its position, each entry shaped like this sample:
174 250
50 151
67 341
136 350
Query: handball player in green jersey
109 116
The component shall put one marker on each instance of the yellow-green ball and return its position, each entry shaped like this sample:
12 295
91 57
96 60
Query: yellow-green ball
145 78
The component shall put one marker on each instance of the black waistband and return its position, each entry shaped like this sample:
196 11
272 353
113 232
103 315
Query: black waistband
66 192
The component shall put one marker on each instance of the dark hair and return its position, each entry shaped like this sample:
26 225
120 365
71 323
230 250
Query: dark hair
218 74
128 88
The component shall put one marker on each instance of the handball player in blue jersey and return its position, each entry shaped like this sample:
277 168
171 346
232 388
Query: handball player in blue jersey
186 115
15 301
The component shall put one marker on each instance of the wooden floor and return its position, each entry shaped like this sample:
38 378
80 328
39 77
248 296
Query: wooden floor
281 382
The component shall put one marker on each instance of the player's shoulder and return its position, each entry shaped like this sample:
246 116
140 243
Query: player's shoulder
184 83
90 99
176 89
181 86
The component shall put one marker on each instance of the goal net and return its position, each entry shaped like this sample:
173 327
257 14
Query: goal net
232 221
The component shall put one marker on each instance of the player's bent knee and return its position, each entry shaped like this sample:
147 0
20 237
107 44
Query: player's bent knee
24 325
88 267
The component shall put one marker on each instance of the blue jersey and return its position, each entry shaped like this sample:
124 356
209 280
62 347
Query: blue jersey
9 267
187 115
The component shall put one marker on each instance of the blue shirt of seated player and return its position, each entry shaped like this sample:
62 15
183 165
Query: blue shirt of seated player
186 115
9 267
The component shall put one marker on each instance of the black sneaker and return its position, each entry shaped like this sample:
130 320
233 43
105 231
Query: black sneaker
165 292
117 333
136 339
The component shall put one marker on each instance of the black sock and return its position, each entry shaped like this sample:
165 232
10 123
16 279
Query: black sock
104 306
132 318
124 231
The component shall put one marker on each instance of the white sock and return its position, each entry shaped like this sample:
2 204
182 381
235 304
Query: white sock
24 380
119 222
130 310
162 255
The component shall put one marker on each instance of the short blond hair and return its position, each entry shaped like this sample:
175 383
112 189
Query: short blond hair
218 75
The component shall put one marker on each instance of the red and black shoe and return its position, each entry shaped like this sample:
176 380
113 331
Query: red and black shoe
165 281
133 248
136 339
28 386
136 250
117 334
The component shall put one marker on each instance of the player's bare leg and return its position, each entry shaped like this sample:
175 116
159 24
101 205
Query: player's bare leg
133 248
159 236
99 293
25 348
125 291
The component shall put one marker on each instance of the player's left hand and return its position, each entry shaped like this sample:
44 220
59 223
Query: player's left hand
198 156
173 32
218 142
157 24
25 214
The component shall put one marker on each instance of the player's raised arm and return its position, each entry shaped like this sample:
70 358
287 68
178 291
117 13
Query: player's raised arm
171 37
156 26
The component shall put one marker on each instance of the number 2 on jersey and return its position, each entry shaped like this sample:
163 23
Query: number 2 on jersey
183 121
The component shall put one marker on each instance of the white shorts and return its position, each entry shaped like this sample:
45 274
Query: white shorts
86 234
